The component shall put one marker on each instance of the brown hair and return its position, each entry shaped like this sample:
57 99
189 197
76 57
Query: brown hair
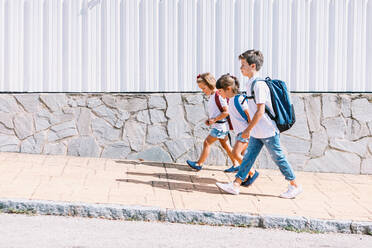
228 80
253 57
208 79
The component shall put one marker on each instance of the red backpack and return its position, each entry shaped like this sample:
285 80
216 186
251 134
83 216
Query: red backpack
217 99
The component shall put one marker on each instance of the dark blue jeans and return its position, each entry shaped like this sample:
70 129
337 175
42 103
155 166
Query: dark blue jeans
273 146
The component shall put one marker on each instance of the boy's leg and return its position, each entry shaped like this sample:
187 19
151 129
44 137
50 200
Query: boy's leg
254 148
238 149
273 146
206 147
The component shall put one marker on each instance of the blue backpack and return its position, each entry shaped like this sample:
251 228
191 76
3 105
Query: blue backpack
281 102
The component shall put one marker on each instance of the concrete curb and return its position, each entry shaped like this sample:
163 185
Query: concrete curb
121 212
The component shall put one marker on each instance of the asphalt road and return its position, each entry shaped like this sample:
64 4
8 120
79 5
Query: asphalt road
53 231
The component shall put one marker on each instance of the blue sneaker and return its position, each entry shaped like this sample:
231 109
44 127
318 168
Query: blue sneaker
194 165
232 169
250 179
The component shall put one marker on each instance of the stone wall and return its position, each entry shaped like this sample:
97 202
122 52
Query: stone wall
333 132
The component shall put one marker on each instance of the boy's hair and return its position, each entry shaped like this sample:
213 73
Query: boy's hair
208 79
228 80
253 57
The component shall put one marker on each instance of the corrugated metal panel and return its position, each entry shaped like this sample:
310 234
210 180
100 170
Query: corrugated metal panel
161 45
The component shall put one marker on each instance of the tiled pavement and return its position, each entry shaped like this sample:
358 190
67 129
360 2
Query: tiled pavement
175 186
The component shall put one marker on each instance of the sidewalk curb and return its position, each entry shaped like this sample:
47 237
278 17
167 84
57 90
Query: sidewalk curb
122 212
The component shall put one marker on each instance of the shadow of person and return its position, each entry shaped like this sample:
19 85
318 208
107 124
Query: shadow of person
177 177
182 167
186 187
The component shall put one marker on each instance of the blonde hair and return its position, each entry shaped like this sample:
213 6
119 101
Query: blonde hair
228 80
208 79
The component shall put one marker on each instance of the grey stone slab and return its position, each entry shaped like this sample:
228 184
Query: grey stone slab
144 116
157 101
54 102
109 100
106 113
319 142
173 99
34 144
346 106
356 129
179 147
132 104
366 167
361 227
195 99
283 222
336 162
84 121
30 102
135 134
157 116
175 112
41 123
94 102
8 104
23 125
313 112
335 127
84 147
331 105
361 109
9 143
294 144
104 132
61 131
156 154
117 150
156 134
5 130
55 149
195 113
359 147
340 226
178 129
7 120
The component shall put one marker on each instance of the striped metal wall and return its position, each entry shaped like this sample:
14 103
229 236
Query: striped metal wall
161 45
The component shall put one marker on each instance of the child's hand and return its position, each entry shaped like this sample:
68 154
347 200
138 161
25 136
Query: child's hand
211 121
206 122
246 134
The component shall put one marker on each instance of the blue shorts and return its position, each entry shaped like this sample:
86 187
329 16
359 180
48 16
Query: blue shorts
219 134
239 138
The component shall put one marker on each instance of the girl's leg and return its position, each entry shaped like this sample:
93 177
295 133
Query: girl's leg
225 144
206 147
238 149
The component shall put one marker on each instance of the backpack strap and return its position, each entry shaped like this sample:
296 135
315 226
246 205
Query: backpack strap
267 110
218 103
238 107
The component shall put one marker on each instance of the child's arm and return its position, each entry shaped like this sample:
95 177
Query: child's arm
249 118
222 116
257 116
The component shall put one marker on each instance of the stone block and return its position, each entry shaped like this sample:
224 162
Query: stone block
346 106
143 116
179 147
9 143
157 116
54 102
8 104
313 112
61 131
366 167
23 125
359 147
94 102
55 149
355 129
106 113
156 135
361 109
132 104
331 105
109 100
34 144
194 99
30 102
7 120
335 127
156 154
157 101
319 142
336 162
104 132
173 99
84 121
135 134
116 150
195 113
84 147
294 144
178 129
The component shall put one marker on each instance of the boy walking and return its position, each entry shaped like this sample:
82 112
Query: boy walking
262 130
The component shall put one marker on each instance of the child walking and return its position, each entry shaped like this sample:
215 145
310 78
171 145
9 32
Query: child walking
216 120
240 119
261 131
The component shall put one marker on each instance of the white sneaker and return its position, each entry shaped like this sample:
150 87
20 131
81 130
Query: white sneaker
228 188
292 192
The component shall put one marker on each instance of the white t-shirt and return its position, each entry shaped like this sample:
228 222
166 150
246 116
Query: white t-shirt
213 112
238 122
265 127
